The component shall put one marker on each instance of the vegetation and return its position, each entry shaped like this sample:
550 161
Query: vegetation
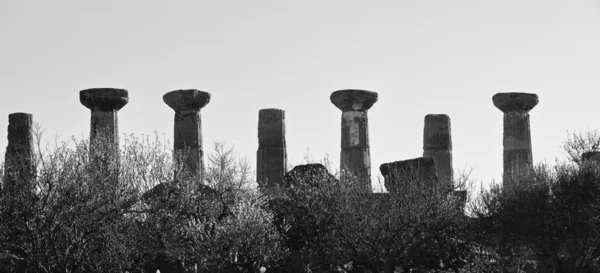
94 208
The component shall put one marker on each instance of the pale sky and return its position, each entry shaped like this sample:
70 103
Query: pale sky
421 57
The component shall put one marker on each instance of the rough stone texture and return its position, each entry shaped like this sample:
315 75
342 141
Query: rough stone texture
104 104
19 159
309 175
398 176
271 156
513 102
355 159
188 149
518 158
437 144
187 99
353 100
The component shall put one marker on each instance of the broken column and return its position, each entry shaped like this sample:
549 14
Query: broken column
271 157
309 175
589 160
518 158
355 157
590 157
187 143
412 175
437 144
104 104
19 160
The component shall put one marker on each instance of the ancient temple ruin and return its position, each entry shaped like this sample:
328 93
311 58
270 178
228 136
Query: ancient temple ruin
271 164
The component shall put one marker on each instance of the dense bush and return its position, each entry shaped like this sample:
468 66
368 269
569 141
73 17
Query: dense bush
93 213
338 226
549 222
86 211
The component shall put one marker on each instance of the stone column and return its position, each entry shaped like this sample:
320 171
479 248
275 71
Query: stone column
437 144
518 158
19 160
271 157
104 103
412 175
187 143
355 157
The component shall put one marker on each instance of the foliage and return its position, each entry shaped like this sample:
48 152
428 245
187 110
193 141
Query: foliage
551 219
219 225
98 209
337 225
578 143
73 219
93 208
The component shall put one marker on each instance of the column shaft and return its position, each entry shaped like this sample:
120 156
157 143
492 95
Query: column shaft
104 126
188 150
518 157
271 157
355 156
437 144
19 160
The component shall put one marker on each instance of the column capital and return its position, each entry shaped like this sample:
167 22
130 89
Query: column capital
187 99
353 99
515 102
104 99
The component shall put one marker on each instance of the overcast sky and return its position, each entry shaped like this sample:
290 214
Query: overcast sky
421 57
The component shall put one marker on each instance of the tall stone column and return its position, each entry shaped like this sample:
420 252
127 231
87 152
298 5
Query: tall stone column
355 158
187 143
437 144
518 158
19 160
271 157
104 103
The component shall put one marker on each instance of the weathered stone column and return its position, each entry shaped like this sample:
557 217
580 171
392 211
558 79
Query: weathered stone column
104 103
518 158
412 175
187 143
271 157
19 160
437 144
355 158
